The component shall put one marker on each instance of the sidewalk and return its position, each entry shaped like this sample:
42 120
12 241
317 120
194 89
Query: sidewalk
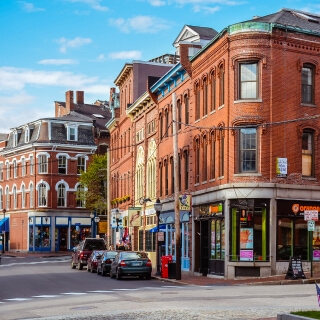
196 279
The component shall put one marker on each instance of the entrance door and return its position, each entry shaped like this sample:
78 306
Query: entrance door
217 247
61 238
204 247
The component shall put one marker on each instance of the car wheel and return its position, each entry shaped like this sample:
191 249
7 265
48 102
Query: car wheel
111 274
72 265
118 275
103 273
148 276
80 266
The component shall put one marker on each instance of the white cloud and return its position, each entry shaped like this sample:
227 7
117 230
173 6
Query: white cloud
94 4
140 24
205 9
57 62
157 3
72 43
29 7
12 79
123 55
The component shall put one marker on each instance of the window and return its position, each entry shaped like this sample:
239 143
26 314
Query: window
161 179
1 171
248 150
179 114
197 102
186 107
8 170
14 197
23 196
172 174
166 123
221 155
43 194
62 164
213 92
204 160
61 195
31 164
15 174
213 157
80 196
307 84
249 233
221 85
308 153
205 97
186 169
81 165
31 196
23 167
7 198
72 134
248 80
43 163
197 161
166 182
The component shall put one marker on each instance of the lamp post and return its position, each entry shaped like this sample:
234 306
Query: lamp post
4 231
91 217
96 220
158 208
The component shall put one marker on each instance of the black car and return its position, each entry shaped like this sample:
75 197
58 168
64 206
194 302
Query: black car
104 263
83 250
131 263
92 263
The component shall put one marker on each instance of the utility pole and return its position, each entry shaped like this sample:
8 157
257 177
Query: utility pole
176 187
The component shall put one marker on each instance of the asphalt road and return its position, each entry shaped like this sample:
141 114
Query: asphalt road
47 288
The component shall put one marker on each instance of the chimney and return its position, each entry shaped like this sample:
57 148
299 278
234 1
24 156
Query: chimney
80 97
69 101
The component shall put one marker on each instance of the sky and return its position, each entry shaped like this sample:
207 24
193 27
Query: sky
51 46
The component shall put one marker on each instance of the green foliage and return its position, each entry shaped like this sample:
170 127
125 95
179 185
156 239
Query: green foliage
308 314
94 182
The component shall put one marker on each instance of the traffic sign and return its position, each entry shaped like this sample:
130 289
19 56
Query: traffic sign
311 215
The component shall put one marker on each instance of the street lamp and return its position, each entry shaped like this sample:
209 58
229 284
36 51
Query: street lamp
118 215
158 208
91 217
4 231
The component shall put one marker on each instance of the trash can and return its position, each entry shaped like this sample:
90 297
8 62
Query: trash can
164 266
172 269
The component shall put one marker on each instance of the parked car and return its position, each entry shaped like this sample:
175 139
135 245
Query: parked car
83 250
104 263
131 263
92 262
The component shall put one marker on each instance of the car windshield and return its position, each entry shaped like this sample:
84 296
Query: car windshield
95 245
111 254
134 255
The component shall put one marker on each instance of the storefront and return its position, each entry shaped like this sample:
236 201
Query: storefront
66 232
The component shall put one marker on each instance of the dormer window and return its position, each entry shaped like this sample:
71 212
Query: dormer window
72 133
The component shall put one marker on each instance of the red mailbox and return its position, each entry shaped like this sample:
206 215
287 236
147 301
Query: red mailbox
165 266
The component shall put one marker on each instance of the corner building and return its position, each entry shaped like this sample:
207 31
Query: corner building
248 144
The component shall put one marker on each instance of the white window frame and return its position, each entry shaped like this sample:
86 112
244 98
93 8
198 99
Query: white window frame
61 195
42 194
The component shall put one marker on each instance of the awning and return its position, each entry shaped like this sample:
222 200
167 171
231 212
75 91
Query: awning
4 225
162 227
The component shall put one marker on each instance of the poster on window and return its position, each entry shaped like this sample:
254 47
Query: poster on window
246 238
246 255
282 166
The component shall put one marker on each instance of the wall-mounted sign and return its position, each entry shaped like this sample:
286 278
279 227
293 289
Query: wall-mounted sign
185 202
282 167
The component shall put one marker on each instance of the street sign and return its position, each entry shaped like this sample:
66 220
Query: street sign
311 215
311 225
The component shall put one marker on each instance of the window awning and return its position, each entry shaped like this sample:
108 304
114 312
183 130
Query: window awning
162 227
4 225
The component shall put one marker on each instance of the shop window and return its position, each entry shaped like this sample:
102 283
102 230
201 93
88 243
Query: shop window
249 237
292 238
217 249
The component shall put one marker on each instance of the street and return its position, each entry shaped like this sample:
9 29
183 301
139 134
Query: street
47 288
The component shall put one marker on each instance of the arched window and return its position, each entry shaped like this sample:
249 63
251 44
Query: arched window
197 161
42 195
61 195
23 196
31 195
7 198
14 191
221 85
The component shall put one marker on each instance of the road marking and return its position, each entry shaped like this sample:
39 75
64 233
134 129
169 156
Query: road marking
28 263
18 299
74 293
101 291
46 296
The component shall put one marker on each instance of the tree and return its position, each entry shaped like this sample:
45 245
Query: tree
94 184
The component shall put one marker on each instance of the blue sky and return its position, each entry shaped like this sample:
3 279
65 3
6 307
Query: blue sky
51 46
